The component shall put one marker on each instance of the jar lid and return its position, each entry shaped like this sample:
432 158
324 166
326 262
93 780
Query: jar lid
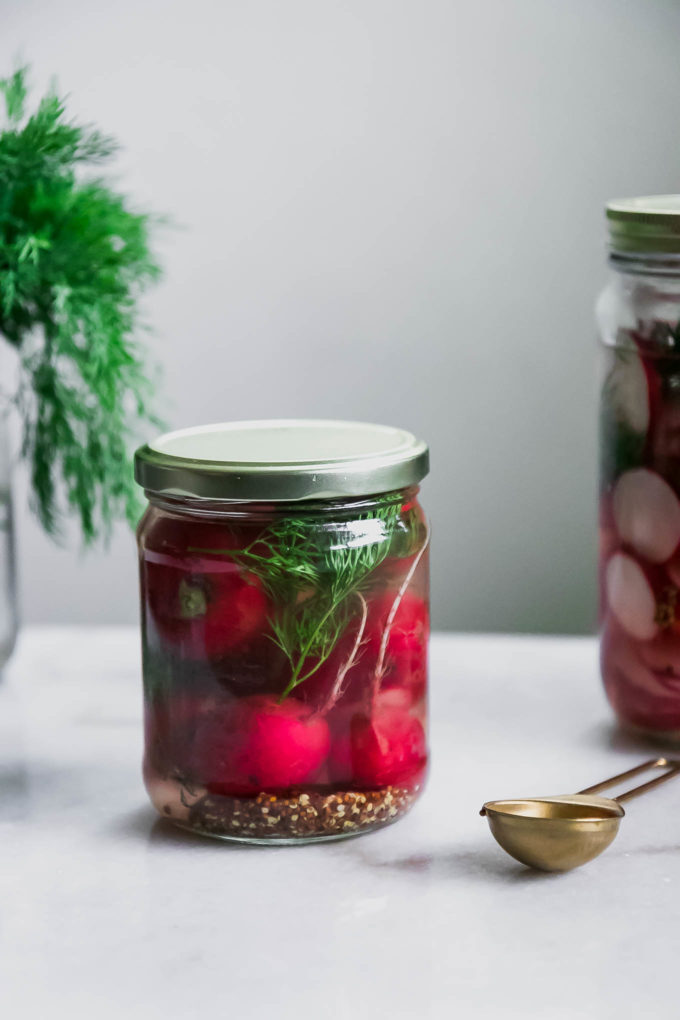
279 460
645 225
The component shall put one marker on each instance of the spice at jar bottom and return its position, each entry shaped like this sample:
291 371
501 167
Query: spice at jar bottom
285 622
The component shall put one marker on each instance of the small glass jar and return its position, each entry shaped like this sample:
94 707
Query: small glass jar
639 514
285 622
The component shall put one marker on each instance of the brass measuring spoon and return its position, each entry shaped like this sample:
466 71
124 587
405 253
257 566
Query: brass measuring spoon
560 833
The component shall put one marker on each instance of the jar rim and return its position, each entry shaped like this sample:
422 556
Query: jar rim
281 460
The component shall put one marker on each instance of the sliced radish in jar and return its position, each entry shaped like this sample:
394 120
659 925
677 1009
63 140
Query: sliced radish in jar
638 683
647 514
630 597
628 388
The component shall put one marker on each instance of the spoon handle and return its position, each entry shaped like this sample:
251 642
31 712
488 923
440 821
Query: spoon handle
672 766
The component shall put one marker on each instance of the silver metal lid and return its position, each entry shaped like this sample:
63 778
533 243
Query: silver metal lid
649 225
280 460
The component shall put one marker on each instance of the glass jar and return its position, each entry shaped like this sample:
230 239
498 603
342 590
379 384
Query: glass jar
285 620
639 514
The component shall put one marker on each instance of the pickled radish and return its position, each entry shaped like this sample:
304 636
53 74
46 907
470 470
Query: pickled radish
640 692
400 699
387 748
206 615
631 597
647 514
261 744
405 657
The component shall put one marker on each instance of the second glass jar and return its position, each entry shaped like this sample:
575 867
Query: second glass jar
639 323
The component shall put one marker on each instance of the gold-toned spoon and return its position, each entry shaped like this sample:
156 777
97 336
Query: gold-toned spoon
560 833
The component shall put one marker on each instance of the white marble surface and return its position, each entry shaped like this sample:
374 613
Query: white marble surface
106 912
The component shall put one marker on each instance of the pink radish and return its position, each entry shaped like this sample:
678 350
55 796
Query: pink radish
647 514
388 748
258 743
631 597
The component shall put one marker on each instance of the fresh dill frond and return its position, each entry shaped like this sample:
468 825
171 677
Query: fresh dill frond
74 260
311 569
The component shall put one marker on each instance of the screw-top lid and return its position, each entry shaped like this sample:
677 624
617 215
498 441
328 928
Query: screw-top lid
645 225
281 460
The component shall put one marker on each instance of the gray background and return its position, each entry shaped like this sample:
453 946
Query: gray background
389 211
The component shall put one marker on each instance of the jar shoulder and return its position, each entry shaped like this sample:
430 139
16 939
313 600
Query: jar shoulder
634 307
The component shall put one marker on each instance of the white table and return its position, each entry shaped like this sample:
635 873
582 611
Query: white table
107 912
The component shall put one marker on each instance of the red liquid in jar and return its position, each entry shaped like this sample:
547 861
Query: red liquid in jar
245 741
639 565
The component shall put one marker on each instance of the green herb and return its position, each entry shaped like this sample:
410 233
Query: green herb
311 571
73 261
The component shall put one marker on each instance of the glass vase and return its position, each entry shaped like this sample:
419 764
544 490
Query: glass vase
8 595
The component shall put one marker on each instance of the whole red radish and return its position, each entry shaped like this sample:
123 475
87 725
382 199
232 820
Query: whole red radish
207 615
404 661
261 744
200 600
395 699
347 717
344 677
387 748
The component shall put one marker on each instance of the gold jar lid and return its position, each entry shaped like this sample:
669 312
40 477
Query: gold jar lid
280 460
649 225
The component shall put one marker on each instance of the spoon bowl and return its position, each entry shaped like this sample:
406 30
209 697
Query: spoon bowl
554 833
561 833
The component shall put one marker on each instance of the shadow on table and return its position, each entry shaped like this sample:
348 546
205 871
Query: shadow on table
618 739
482 864
466 864
144 823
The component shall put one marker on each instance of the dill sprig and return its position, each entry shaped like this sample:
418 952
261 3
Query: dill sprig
74 260
311 570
